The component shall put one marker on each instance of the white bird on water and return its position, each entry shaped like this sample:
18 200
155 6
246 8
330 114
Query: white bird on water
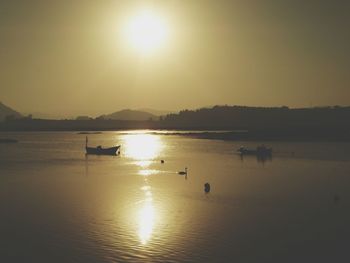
183 172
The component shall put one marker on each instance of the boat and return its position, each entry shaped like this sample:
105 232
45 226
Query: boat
259 151
83 132
102 151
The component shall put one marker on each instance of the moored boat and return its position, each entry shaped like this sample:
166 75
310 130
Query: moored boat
101 151
259 151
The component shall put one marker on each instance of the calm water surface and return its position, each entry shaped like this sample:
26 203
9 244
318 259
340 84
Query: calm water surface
57 205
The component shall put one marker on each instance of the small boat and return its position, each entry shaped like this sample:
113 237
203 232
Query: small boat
97 132
259 151
101 151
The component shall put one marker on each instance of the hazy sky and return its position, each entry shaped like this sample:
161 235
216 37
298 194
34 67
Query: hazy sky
71 57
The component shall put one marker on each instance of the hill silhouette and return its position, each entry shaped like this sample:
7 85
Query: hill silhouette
157 112
243 117
7 112
130 115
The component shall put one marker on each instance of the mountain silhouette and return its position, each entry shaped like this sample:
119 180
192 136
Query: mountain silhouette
130 115
6 111
157 112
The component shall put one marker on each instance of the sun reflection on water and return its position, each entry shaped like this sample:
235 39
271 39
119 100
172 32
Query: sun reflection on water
142 147
147 172
146 222
146 216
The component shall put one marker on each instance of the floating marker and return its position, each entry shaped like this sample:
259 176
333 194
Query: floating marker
207 187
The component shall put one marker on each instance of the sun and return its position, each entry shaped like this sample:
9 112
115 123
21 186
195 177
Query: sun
146 32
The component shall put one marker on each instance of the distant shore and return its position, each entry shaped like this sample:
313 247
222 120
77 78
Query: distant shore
254 136
229 133
331 123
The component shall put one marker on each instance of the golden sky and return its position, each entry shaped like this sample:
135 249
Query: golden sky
73 57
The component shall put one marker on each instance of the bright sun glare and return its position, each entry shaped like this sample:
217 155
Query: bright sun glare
142 147
146 32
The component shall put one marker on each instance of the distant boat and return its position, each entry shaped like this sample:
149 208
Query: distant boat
259 151
89 132
101 151
8 141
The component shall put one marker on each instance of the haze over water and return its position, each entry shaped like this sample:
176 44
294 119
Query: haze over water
58 205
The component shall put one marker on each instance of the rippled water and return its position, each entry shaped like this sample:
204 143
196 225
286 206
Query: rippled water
57 205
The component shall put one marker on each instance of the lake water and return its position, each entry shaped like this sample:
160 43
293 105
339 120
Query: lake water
57 205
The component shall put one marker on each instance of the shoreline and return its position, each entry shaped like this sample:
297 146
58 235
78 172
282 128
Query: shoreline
233 135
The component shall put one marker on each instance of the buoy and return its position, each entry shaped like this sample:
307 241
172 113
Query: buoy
207 187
